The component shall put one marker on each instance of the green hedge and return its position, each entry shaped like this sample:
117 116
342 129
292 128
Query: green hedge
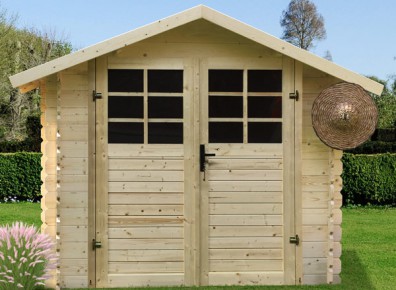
369 179
32 143
20 176
374 147
27 145
384 134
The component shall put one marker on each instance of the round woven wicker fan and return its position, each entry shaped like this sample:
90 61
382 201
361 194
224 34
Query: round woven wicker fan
344 116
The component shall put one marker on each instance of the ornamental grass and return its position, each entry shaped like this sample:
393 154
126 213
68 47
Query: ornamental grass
26 257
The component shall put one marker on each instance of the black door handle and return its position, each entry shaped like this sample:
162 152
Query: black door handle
202 157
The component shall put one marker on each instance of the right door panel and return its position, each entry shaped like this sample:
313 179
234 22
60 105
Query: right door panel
242 193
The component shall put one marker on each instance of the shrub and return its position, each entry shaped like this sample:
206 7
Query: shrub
26 257
20 176
374 147
369 179
32 143
384 134
27 145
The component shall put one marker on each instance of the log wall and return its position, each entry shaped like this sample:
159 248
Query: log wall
72 158
321 197
48 160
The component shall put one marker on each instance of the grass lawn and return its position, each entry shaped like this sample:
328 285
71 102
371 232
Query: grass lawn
368 251
25 211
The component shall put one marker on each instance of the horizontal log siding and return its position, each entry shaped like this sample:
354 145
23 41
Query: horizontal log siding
321 186
73 177
48 161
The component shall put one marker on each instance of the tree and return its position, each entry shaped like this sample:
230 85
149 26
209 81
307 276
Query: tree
21 49
302 24
328 56
386 104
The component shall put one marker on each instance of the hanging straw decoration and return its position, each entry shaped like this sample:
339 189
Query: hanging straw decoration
344 116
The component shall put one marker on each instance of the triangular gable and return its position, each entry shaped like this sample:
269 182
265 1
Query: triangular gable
27 80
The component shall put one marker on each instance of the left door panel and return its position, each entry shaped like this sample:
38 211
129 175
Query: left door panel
141 206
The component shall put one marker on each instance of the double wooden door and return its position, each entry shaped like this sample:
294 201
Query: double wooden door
194 173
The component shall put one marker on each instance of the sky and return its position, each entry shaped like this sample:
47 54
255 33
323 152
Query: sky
361 34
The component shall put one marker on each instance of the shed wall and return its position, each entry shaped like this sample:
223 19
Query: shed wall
65 100
321 197
72 111
48 160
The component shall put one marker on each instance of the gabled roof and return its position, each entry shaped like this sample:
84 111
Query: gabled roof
28 79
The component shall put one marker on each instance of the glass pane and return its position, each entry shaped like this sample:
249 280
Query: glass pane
165 133
225 106
264 107
264 81
130 133
165 107
125 80
269 132
125 107
225 132
225 80
165 81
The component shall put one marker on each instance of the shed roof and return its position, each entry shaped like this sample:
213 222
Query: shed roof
28 79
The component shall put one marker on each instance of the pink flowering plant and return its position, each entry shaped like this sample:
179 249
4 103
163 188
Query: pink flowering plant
26 257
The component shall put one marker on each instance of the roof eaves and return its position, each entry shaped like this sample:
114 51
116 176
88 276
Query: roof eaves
195 13
290 50
33 74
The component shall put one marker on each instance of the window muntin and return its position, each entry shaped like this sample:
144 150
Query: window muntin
145 106
245 106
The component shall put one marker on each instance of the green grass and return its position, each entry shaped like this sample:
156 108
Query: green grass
368 248
25 211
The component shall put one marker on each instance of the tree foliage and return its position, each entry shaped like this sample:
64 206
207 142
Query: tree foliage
386 103
21 49
302 24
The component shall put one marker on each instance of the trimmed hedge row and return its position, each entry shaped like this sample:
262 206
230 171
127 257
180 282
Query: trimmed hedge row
369 179
20 176
374 147
27 145
384 134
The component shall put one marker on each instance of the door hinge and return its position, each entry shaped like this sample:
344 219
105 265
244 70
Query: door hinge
96 95
96 244
295 240
294 96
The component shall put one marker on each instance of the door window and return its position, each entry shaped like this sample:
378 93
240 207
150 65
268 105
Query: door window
245 106
145 106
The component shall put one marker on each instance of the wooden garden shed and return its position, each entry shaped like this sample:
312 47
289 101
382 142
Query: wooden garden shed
183 153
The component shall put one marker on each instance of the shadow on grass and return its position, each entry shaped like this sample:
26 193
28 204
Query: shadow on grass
354 275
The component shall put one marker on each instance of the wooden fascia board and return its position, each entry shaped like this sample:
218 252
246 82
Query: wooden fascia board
107 46
29 86
182 18
290 50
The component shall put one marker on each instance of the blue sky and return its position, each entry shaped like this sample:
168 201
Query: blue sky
361 35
